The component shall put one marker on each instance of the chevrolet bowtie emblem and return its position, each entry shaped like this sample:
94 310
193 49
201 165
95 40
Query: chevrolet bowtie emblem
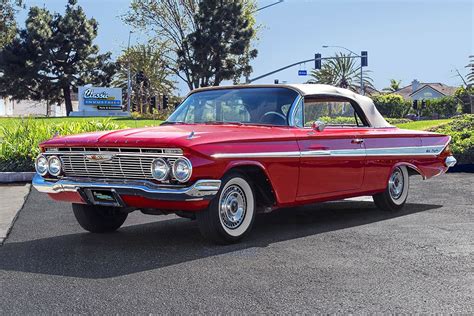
99 157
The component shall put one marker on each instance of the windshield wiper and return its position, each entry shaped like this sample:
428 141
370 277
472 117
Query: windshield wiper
176 122
221 123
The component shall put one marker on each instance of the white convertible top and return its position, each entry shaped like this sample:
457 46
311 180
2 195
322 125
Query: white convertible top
307 89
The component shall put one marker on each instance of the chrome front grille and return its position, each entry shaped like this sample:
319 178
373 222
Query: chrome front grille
118 163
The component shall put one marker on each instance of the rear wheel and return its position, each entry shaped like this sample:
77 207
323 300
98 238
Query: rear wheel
396 193
231 213
99 219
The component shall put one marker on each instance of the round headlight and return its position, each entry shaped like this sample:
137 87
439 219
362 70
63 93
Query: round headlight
41 165
182 169
54 166
160 169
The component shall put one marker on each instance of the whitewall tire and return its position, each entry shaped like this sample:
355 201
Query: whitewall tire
231 213
395 195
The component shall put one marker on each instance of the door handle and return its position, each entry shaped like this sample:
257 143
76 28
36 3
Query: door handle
357 141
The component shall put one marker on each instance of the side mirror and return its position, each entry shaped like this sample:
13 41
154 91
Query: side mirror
318 126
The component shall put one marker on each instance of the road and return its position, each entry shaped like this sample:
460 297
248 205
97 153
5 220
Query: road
344 257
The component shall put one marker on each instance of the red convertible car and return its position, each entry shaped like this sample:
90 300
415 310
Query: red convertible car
227 153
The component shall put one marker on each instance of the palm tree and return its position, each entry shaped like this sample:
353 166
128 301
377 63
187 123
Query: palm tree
146 60
394 86
343 72
470 75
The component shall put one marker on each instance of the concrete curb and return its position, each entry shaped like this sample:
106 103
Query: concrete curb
11 177
17 195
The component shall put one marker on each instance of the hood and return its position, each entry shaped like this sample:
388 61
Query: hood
170 136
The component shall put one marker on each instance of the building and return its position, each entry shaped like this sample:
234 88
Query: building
425 90
10 107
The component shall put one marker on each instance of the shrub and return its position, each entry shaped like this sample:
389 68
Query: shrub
161 115
442 107
337 120
392 105
465 96
461 130
19 146
396 121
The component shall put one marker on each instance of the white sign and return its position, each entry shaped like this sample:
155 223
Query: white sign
98 101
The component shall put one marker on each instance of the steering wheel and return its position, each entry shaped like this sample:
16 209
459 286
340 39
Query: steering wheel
262 119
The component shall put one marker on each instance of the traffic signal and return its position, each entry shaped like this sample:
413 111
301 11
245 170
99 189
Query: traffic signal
423 104
153 102
415 104
364 58
276 81
165 101
317 61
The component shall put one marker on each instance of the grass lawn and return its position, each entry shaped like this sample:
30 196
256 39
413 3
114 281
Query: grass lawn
423 125
121 121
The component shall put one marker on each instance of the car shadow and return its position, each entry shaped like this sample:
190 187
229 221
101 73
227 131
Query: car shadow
160 244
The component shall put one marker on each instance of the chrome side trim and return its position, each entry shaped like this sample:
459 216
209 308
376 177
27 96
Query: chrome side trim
278 154
403 151
359 152
201 190
315 153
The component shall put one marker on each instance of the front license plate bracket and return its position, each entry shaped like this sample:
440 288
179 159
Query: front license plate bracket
104 197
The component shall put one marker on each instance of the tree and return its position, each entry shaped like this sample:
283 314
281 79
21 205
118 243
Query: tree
171 23
466 94
394 86
8 27
53 55
470 75
342 71
146 59
222 34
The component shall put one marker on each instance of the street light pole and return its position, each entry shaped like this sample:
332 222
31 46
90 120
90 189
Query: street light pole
247 78
361 73
269 5
129 81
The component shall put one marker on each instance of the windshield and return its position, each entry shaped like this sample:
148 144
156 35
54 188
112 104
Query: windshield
269 106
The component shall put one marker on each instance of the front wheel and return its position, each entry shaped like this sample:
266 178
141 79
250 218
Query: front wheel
231 213
396 193
99 219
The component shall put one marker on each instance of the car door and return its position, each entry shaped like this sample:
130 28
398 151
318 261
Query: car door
332 159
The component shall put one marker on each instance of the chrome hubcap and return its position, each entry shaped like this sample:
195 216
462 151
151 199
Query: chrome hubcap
233 206
395 184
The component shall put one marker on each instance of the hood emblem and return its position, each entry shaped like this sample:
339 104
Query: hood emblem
99 157
191 135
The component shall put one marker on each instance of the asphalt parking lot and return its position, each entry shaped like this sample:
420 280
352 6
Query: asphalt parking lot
345 257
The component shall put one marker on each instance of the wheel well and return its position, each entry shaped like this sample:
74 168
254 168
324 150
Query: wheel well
263 189
413 171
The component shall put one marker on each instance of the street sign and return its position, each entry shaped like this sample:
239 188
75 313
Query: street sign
302 73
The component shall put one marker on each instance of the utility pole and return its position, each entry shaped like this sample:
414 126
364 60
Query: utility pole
260 9
129 81
317 59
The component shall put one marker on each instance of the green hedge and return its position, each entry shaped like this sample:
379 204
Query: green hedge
461 130
19 146
441 108
392 105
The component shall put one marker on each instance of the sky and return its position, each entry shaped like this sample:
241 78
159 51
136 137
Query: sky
405 39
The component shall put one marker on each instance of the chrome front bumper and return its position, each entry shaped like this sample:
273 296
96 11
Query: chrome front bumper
201 190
